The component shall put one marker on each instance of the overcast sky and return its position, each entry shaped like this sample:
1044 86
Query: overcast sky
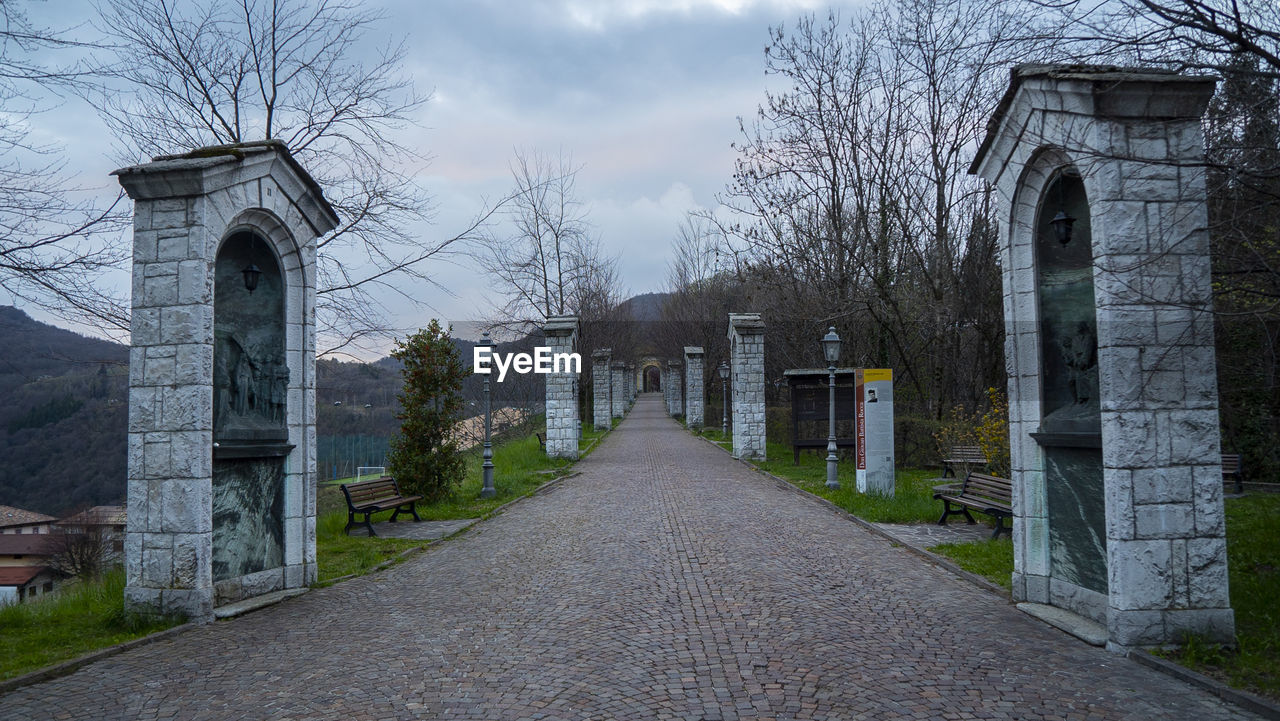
645 95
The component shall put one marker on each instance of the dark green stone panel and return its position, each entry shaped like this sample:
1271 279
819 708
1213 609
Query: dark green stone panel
1077 516
248 516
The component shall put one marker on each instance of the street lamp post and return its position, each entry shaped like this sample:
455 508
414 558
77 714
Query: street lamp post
488 491
831 351
724 398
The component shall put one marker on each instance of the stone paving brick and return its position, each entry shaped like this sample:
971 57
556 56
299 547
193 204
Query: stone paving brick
665 582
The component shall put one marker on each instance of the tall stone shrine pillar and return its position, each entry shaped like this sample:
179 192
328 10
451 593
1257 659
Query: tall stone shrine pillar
561 334
601 390
746 364
1113 404
619 376
222 485
694 398
675 389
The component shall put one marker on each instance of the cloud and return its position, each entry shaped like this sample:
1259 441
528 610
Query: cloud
600 16
638 230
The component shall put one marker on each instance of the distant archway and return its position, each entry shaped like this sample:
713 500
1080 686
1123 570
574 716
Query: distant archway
652 379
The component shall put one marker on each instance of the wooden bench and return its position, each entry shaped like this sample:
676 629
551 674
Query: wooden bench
981 492
962 456
380 494
1232 467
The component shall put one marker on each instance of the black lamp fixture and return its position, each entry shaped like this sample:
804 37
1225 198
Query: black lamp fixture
251 276
251 272
1062 226
1062 222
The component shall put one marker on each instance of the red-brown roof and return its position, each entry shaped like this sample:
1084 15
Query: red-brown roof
19 575
10 516
96 516
24 544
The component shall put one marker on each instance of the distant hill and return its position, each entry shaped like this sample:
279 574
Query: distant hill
645 308
63 420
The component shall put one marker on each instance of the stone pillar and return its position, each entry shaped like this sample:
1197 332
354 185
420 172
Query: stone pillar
221 480
601 390
561 334
1121 151
694 397
619 389
675 399
631 383
746 363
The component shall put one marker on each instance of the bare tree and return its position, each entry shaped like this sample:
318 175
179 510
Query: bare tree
850 204
82 551
549 264
187 75
51 252
1180 34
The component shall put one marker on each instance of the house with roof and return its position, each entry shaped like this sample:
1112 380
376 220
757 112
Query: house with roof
19 521
25 572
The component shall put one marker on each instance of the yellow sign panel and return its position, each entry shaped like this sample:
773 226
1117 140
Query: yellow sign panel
877 374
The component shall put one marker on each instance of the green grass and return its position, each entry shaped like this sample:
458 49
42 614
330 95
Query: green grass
519 467
69 623
991 559
912 500
1253 560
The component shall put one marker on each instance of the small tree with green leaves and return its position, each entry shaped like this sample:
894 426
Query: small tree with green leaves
425 458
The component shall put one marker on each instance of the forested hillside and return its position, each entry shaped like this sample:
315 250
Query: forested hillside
63 419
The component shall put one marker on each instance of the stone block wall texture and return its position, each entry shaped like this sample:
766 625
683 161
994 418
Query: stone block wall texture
675 392
746 364
601 390
619 389
183 209
1136 139
694 396
631 384
561 334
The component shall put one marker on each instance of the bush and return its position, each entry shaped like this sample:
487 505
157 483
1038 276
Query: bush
424 457
988 430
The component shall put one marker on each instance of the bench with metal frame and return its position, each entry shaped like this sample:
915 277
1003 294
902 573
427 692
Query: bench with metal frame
379 494
980 492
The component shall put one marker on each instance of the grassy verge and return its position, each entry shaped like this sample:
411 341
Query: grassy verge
912 500
1253 560
74 621
520 467
991 559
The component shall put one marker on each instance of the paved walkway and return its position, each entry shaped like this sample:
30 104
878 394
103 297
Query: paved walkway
665 581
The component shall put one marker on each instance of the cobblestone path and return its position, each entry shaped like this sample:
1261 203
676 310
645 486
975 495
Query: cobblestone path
665 581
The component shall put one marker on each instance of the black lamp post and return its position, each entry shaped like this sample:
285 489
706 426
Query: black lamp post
488 491
831 351
724 397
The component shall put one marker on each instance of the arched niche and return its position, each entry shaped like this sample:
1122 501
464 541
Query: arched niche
1070 432
250 369
251 380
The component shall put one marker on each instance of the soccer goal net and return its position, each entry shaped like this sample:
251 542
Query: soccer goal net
367 472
